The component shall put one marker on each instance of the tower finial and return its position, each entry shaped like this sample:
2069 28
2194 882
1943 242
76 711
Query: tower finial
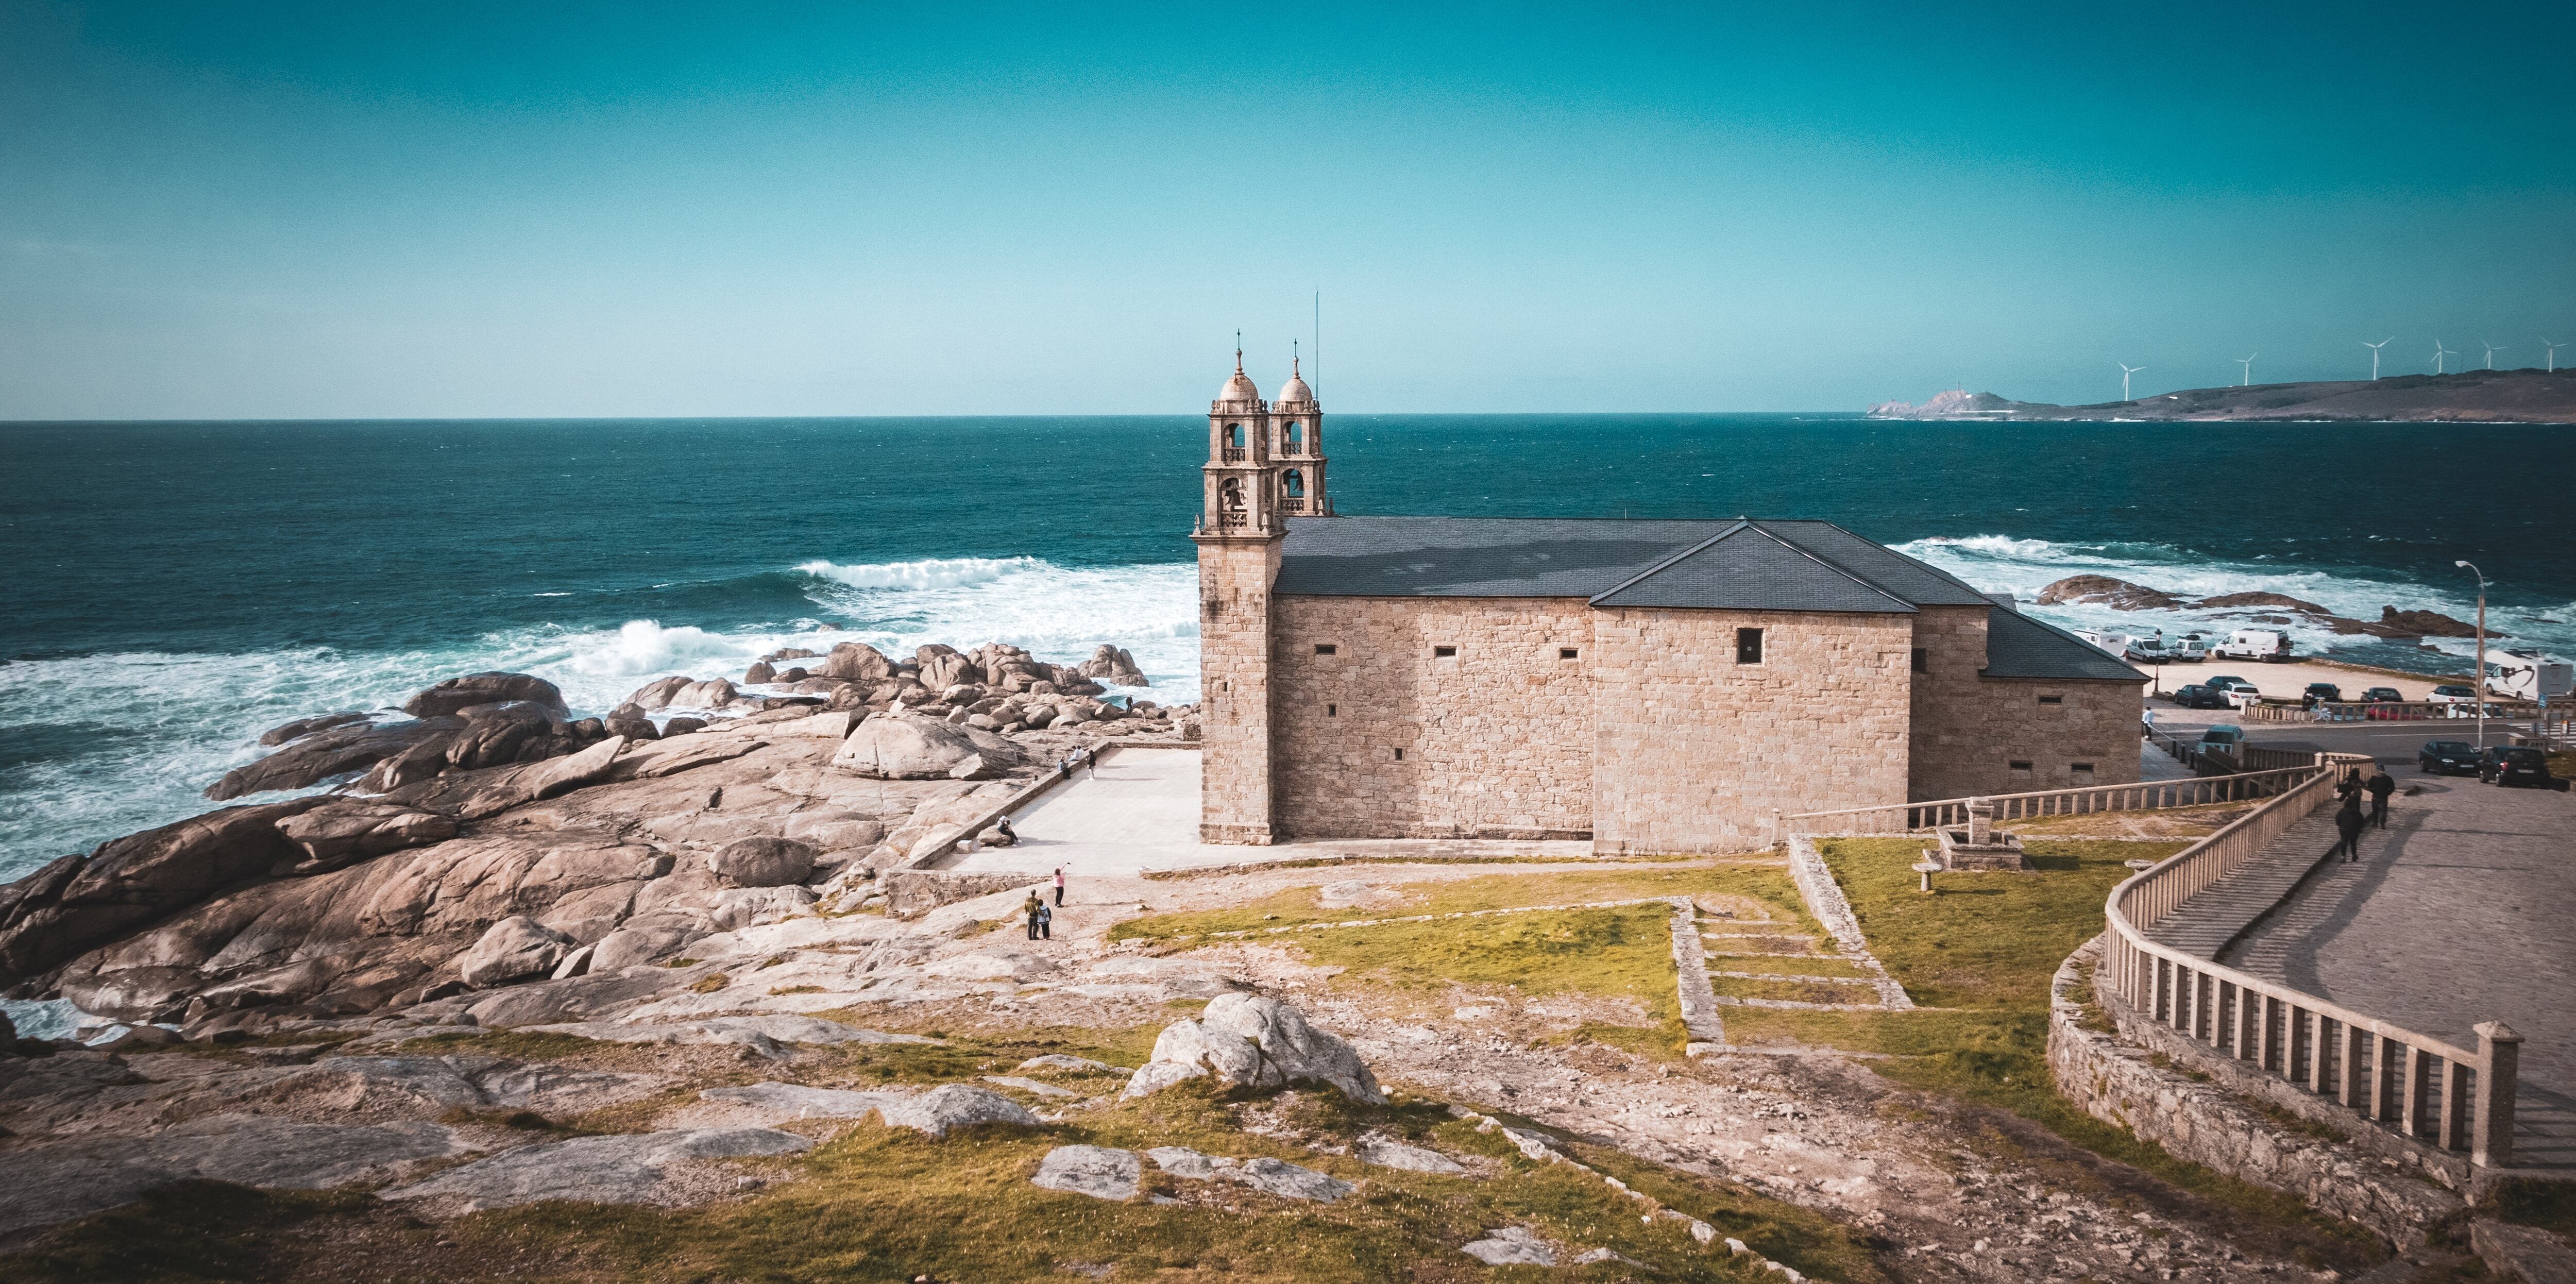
1238 352
1292 360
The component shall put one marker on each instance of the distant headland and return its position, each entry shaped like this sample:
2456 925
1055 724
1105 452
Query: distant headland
2472 396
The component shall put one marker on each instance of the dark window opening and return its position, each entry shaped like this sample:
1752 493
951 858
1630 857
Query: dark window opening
1332 711
1922 660
1325 648
2019 765
1748 646
2052 699
1566 653
2085 767
1399 755
1443 652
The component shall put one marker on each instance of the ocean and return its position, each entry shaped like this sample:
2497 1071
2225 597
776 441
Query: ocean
176 588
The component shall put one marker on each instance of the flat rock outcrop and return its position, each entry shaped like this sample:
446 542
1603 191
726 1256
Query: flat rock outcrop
952 1106
1101 1172
762 862
904 746
1264 1174
1254 1042
55 1183
514 949
2102 590
633 1169
458 694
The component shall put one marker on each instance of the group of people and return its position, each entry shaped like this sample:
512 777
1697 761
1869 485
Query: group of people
2349 820
1041 915
1086 761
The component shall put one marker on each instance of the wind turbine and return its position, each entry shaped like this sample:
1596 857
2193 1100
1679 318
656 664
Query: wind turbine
2248 363
2553 353
2374 354
2491 351
2125 371
2438 354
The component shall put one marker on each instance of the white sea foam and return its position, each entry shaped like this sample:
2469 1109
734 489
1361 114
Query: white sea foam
128 740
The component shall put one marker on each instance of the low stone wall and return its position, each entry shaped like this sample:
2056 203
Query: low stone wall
2121 1083
916 891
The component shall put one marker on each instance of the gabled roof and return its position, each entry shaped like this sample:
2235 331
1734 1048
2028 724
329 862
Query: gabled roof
1474 556
1748 567
2018 646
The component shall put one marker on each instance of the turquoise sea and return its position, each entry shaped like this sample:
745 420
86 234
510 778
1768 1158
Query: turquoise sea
175 588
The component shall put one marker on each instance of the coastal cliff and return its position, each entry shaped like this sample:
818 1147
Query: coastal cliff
2472 396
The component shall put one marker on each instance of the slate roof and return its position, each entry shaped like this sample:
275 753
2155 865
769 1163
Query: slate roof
2018 646
1709 565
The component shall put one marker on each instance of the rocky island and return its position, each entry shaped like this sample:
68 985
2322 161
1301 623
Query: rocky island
2471 396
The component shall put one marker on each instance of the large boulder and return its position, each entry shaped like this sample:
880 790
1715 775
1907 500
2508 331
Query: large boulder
302 727
1114 666
514 949
318 755
943 667
905 746
457 694
346 830
856 662
77 902
836 831
762 862
1098 1171
2102 590
1254 1042
954 1105
2431 624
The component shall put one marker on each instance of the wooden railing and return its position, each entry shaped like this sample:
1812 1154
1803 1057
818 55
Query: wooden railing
2151 795
2425 1089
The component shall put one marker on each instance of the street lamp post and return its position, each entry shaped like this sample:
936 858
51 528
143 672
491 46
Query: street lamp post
2478 684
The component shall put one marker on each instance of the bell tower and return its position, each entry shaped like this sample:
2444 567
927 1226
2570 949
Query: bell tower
1297 447
1241 525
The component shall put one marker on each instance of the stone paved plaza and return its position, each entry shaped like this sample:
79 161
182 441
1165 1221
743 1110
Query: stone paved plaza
2463 910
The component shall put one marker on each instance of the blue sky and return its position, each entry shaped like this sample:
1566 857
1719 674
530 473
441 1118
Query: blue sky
433 210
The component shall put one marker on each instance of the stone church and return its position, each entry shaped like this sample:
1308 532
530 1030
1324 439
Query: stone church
1650 685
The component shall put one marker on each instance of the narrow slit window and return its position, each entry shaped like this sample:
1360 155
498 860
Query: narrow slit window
2052 699
1922 660
1326 648
2085 767
1567 653
2020 765
1748 646
1332 711
1399 753
1443 652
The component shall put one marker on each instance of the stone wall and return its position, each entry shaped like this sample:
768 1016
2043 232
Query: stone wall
1496 739
1697 753
1235 796
910 892
1947 756
2120 1083
2011 720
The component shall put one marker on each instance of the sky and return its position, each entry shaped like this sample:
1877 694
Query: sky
456 210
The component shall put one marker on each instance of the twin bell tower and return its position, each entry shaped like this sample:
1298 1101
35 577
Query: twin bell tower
1265 464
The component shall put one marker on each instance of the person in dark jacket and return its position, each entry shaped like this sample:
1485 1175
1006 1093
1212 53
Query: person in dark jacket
1033 908
2349 788
2380 785
2349 822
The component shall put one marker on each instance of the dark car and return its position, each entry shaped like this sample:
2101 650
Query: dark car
2513 765
2447 758
2382 695
2197 696
2321 692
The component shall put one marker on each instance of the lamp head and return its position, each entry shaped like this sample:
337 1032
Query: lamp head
2462 562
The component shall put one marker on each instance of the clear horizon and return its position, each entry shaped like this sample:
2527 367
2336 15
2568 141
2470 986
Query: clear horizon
474 212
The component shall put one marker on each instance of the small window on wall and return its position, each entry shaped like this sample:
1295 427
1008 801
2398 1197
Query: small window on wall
1325 648
2052 699
2018 764
1399 753
1748 646
1567 653
1443 652
1332 711
2083 772
1922 660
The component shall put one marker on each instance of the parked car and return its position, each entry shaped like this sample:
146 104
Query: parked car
2447 758
2243 695
2469 709
2382 695
2225 738
2513 765
2197 696
2269 645
2452 695
2320 693
2191 649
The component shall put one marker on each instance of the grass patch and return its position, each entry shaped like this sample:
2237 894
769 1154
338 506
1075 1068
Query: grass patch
188 1231
1619 953
1821 965
522 1045
2549 1205
1297 905
1821 990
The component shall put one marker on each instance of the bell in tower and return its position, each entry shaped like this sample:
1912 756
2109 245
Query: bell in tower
1297 447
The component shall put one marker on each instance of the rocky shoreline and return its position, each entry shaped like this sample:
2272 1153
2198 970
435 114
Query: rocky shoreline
2262 608
488 839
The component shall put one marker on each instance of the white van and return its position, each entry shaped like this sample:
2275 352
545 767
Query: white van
2192 649
2148 650
2526 675
2110 642
2269 645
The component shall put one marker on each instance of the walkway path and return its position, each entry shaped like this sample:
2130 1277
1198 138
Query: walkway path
2463 910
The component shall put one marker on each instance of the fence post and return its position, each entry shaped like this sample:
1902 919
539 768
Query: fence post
2499 1063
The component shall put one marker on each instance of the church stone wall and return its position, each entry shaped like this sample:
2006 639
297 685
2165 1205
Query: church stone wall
1697 753
1496 739
1949 758
2004 721
1235 795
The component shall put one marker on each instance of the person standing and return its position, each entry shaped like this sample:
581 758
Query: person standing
1045 922
2349 788
2380 785
1033 907
2349 822
1059 884
1091 761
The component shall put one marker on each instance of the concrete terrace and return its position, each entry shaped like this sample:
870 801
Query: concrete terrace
2463 910
1140 811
